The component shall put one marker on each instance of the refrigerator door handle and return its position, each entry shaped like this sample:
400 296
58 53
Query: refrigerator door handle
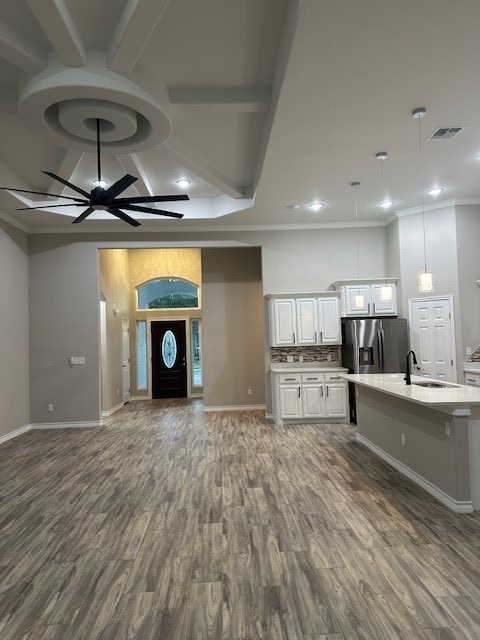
381 349
356 350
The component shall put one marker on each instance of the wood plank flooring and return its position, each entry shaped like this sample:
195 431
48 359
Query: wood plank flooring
175 524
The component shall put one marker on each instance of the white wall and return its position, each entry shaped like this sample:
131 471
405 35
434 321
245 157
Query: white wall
14 396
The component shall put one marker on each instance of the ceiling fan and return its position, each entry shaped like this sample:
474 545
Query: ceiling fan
105 199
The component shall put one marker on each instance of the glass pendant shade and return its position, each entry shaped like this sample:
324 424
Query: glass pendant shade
425 282
386 293
359 301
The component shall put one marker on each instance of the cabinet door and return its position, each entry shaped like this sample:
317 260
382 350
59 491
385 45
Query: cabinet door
290 401
351 291
384 307
313 401
329 321
284 322
307 321
336 400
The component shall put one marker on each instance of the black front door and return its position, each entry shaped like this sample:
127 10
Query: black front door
169 364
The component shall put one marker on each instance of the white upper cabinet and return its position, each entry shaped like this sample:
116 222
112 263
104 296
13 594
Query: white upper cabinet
284 322
371 302
302 320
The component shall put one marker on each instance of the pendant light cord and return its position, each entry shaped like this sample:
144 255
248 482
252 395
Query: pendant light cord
423 196
355 186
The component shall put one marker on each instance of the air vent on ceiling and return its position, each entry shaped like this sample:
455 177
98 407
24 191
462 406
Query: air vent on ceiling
445 133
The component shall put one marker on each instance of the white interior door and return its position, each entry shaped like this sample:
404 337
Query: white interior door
126 359
431 337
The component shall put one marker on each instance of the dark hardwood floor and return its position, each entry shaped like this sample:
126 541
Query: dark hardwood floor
175 524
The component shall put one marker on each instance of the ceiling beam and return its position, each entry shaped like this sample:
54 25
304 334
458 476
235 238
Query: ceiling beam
133 31
227 99
69 163
58 25
18 51
131 164
197 165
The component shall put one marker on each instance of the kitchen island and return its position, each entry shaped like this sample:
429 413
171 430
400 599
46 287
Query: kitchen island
430 434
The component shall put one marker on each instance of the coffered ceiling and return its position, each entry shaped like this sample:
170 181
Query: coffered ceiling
260 104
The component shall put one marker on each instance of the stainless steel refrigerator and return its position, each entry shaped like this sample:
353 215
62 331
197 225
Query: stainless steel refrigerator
373 345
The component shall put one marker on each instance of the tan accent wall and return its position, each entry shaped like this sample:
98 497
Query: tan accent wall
233 327
113 266
14 395
147 264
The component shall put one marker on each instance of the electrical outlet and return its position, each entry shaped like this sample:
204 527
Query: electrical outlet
50 407
447 428
469 351
79 359
289 358
118 392
300 358
329 358
249 392
403 439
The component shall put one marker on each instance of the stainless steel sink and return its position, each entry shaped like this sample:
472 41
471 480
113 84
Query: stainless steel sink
435 385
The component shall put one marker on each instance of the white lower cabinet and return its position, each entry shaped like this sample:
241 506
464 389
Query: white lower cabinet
300 396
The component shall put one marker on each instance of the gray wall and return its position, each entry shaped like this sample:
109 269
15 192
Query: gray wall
14 398
468 235
233 327
64 321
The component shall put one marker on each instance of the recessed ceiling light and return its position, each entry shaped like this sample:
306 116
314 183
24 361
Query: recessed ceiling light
183 182
386 204
293 206
315 206
435 192
100 183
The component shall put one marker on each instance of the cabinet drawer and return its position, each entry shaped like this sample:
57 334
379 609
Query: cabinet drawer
289 378
333 376
472 379
312 378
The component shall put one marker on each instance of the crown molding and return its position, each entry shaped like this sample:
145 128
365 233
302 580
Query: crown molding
431 207
13 222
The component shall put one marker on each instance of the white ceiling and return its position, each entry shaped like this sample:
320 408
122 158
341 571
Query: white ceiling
270 102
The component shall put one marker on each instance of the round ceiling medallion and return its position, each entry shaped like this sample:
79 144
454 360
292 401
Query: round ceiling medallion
63 103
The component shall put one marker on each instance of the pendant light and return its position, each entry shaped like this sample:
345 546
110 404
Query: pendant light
386 290
425 278
358 300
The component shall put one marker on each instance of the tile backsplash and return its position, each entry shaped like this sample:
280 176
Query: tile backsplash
475 357
327 353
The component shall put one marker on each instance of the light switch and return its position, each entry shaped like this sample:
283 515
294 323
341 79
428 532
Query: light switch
79 359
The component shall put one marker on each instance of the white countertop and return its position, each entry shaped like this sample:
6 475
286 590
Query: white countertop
305 367
471 367
394 384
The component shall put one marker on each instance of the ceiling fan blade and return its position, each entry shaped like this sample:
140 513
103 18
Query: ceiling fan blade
41 193
123 216
120 185
52 206
151 199
83 215
157 212
66 183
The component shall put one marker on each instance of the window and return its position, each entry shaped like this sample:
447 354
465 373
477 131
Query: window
196 336
141 354
167 293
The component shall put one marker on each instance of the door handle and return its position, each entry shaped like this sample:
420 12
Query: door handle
294 341
321 336
374 310
316 337
368 309
299 392
327 389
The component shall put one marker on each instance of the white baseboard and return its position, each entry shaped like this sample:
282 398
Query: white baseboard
232 407
135 398
65 425
268 416
14 434
110 412
459 506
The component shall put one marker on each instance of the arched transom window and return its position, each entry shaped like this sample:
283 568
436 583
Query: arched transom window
167 293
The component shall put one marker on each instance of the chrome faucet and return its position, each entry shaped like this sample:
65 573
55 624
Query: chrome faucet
407 375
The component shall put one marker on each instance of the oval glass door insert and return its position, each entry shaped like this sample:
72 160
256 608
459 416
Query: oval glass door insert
169 349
